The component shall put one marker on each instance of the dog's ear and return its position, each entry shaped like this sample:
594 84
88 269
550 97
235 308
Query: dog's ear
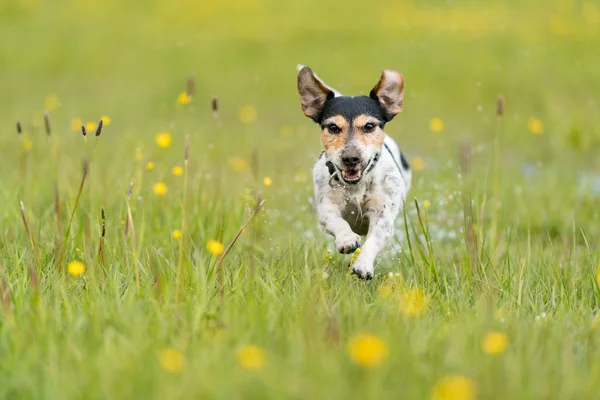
313 93
389 92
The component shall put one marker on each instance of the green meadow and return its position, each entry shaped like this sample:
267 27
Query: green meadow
176 255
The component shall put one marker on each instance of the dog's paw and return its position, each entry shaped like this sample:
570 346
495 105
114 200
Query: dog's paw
362 270
347 243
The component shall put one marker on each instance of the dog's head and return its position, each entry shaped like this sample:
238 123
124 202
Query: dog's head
351 127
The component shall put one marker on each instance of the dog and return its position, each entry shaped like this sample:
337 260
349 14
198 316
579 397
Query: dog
361 178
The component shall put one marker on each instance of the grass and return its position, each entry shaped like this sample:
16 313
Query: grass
501 239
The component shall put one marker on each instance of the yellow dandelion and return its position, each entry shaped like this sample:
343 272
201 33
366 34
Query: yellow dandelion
76 124
535 126
149 166
247 114
238 164
177 170
163 139
251 357
176 234
267 181
367 350
159 189
494 342
454 387
106 120
558 25
591 13
51 102
287 131
385 291
414 302
76 268
138 155
184 98
171 360
436 124
417 163
426 204
26 143
90 127
214 247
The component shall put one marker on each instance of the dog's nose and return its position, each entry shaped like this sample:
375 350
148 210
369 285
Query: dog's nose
350 161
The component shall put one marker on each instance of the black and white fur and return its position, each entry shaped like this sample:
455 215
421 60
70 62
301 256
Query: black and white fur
361 179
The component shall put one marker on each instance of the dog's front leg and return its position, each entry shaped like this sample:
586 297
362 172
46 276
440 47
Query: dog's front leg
381 229
330 219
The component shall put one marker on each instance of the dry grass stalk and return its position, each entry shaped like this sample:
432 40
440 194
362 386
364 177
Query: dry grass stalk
220 271
47 124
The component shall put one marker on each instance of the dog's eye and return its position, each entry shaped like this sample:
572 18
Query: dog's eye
333 128
369 127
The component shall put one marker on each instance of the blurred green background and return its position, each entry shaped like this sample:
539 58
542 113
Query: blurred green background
130 61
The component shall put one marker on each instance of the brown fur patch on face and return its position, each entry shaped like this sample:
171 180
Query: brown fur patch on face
374 138
332 141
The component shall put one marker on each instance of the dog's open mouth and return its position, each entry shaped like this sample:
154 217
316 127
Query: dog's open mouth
352 175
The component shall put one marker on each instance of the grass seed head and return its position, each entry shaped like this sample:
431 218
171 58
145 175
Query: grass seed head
19 128
47 124
500 106
83 131
99 129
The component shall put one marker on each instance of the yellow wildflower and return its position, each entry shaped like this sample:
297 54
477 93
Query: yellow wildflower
267 181
287 131
176 234
159 189
247 114
26 143
251 357
177 170
436 124
591 13
171 360
76 124
237 164
51 102
414 302
494 342
90 127
426 204
535 126
417 163
76 268
454 387
106 120
558 25
163 139
367 350
384 291
138 155
184 98
149 166
214 247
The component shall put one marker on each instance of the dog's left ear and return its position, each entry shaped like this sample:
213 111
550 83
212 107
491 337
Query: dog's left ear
389 92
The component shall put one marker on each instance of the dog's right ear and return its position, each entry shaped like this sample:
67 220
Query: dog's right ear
313 93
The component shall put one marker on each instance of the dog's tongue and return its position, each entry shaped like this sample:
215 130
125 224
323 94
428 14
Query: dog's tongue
351 174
